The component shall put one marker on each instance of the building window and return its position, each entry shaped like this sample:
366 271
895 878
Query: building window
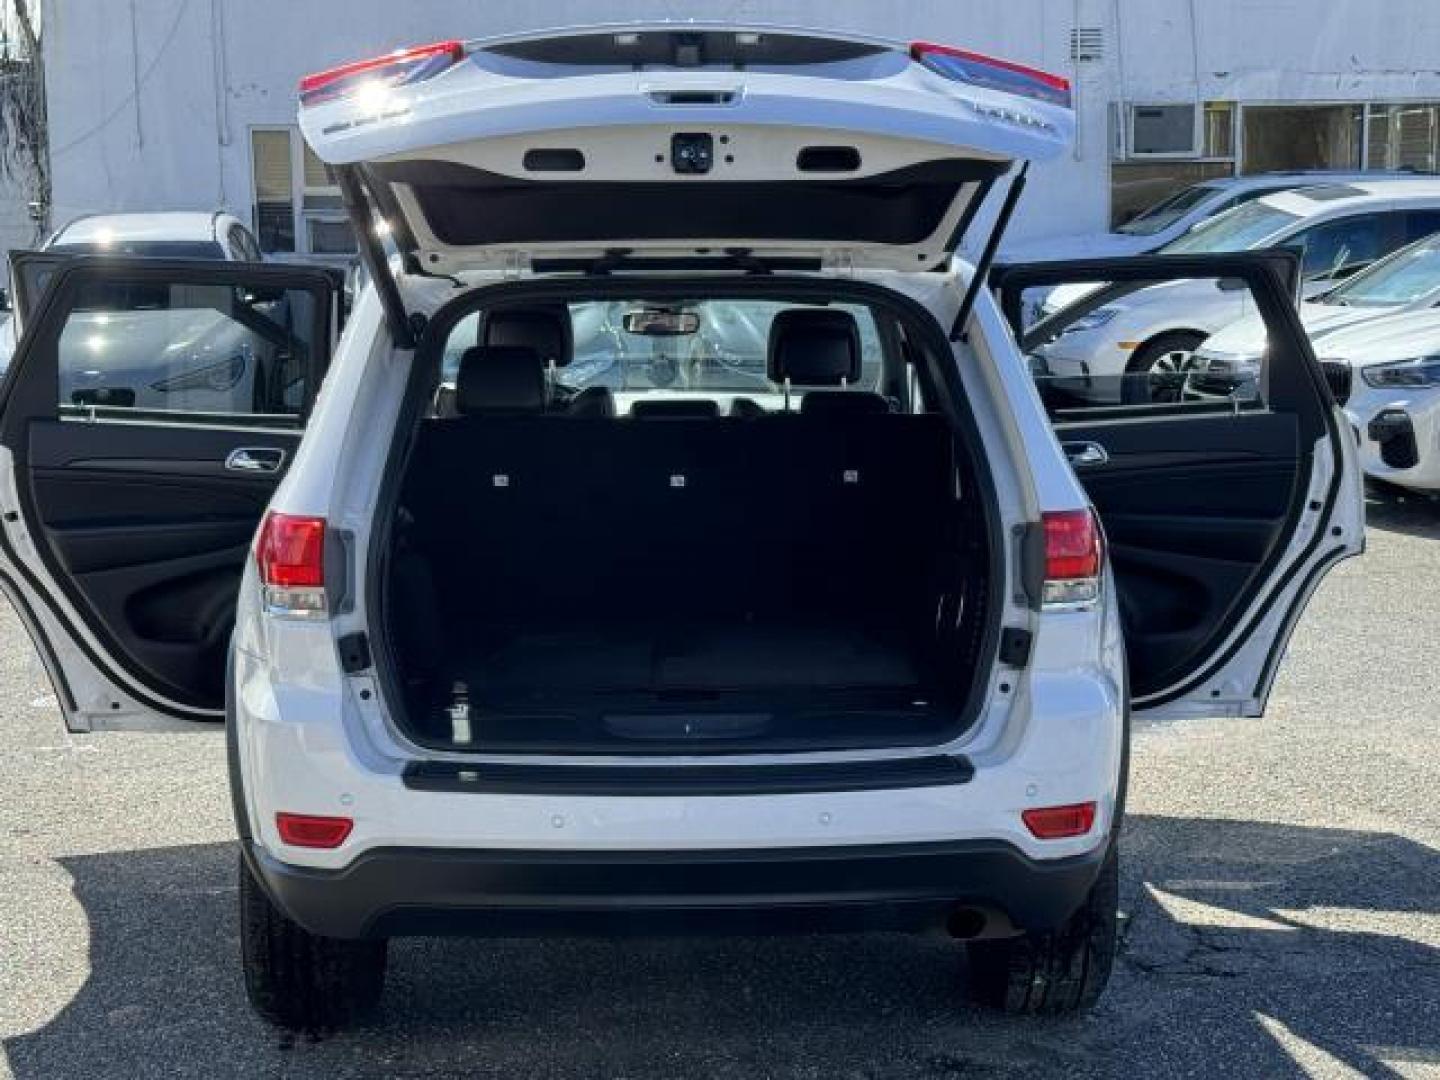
298 207
1404 137
1281 138
271 166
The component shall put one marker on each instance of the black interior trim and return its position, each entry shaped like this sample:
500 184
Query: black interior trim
467 206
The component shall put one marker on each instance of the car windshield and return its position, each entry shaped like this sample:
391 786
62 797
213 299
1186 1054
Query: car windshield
1245 227
1166 212
690 346
147 249
1405 277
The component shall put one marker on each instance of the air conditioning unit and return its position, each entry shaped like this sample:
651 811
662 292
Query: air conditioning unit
1168 131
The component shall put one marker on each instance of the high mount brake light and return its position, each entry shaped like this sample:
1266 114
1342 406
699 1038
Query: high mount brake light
291 555
1074 556
399 68
992 73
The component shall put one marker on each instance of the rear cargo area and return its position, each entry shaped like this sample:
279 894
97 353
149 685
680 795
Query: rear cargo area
670 579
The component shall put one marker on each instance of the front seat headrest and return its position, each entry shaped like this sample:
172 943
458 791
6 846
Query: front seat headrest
547 330
814 347
498 379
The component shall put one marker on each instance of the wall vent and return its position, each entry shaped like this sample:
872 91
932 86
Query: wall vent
1087 44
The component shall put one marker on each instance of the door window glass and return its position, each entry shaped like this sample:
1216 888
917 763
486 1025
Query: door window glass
1097 348
1336 247
188 352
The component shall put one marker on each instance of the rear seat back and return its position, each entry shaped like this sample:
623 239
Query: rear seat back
536 516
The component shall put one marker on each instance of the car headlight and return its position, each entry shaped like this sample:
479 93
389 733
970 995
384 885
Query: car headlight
1227 363
1093 321
1423 371
221 376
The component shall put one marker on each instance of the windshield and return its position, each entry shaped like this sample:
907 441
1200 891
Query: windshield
147 249
1405 277
1245 227
690 346
1166 212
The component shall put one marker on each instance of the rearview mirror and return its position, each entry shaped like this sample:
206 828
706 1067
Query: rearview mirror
657 322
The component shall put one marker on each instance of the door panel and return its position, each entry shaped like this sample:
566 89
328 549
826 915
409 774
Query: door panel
132 520
153 530
1215 510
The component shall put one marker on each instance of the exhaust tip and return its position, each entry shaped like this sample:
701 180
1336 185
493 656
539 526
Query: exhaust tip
965 923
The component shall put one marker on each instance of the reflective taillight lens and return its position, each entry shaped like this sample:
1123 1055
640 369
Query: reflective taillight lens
399 68
1074 556
313 830
992 73
291 555
1059 822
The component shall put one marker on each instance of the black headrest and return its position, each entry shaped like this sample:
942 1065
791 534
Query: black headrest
500 379
595 401
814 347
547 330
843 403
677 409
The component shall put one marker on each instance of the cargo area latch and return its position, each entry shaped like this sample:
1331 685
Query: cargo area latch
354 653
1015 644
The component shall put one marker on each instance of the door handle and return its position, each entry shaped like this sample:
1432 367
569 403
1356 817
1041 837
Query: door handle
255 459
1085 455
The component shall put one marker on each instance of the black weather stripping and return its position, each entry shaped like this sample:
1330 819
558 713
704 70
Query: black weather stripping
783 779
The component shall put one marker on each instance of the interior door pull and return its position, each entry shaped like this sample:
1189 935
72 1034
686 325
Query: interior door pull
1085 455
255 459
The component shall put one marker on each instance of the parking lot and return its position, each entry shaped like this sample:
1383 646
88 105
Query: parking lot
1283 914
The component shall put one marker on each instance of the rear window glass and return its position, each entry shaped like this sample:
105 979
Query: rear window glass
687 347
147 249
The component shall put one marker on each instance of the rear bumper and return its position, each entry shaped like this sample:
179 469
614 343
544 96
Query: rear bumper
404 891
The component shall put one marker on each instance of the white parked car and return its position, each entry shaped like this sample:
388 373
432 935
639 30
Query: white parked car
850 645
1229 362
1140 346
1174 216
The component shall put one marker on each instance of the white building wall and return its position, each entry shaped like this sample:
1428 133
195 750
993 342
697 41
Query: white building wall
156 112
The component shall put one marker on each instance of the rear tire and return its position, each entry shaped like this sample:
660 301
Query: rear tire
1057 971
298 980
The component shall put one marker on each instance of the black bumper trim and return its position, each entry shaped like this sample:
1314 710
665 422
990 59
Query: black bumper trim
691 780
403 891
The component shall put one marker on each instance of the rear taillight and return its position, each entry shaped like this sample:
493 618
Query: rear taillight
399 68
1058 822
1074 556
313 830
992 73
291 555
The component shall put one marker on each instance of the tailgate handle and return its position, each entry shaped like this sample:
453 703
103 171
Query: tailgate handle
1085 455
255 459
694 95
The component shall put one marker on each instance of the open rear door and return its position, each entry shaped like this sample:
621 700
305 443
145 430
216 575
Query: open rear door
1224 500
688 141
150 411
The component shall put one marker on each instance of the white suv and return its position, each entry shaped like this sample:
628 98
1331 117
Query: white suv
737 576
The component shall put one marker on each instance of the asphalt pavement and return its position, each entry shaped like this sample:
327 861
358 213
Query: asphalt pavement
1281 893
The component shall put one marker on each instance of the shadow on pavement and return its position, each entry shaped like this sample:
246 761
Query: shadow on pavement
1397 510
1227 934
